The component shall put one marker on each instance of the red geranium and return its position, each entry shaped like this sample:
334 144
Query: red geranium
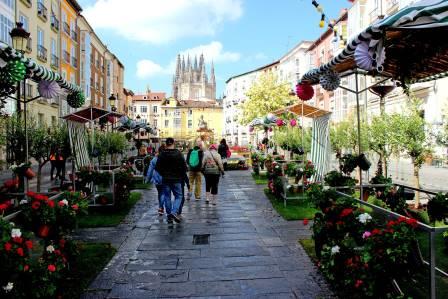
412 222
3 206
50 203
376 231
26 268
345 212
20 251
31 194
8 246
75 207
17 240
29 244
62 243
35 205
358 283
51 268
305 221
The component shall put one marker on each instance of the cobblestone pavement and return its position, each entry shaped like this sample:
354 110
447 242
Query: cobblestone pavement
252 252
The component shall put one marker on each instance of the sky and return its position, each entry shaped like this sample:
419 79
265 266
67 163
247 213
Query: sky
237 35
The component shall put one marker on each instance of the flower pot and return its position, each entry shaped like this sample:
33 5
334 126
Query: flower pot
363 162
365 194
43 231
29 174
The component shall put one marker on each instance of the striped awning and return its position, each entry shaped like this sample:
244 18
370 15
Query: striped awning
414 40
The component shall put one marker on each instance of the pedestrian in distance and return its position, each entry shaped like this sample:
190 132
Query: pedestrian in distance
172 167
212 168
194 161
53 164
155 178
185 182
224 152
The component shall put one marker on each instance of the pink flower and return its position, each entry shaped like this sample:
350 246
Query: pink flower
366 234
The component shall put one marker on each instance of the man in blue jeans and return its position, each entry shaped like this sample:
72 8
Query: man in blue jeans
172 167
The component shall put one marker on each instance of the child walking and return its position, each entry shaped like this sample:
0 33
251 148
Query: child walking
155 178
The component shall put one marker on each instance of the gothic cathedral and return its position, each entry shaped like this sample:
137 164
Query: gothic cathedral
191 81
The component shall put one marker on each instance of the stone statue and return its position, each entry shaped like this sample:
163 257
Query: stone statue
202 123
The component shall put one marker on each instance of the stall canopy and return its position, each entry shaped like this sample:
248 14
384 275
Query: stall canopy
307 110
412 41
90 114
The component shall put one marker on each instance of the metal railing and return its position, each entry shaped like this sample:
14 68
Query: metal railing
42 10
74 61
54 22
54 61
66 27
66 56
41 52
74 35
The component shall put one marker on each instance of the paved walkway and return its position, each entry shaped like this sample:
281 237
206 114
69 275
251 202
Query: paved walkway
252 252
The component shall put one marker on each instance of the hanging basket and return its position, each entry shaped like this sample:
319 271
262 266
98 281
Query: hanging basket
363 162
330 80
75 99
29 174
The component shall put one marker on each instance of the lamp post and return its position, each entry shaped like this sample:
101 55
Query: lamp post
138 133
112 100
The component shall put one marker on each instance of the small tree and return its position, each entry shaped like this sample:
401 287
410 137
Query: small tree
15 138
380 140
344 135
410 136
266 95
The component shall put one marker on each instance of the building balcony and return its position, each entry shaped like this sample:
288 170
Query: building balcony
42 11
54 23
392 6
74 35
74 61
66 56
66 28
54 61
42 53
27 2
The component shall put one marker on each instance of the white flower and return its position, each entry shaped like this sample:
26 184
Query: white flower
65 202
23 202
335 249
8 287
16 233
12 224
363 218
50 248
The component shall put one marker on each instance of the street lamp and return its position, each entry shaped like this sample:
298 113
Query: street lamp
19 38
112 100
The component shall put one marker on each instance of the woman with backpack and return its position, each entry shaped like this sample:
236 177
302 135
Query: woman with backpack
224 152
212 168
155 178
194 162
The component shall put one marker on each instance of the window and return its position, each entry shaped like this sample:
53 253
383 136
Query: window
9 3
190 123
40 119
154 109
167 122
190 112
64 17
143 109
6 26
154 122
72 78
166 112
177 112
64 45
40 37
54 48
177 122
26 23
53 120
73 51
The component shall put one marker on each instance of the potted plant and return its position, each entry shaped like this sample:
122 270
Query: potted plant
438 207
39 214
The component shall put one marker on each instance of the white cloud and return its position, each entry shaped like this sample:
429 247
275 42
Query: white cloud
212 52
147 68
158 21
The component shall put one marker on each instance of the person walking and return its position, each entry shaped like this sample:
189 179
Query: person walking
185 182
172 167
194 161
224 152
212 168
155 178
53 164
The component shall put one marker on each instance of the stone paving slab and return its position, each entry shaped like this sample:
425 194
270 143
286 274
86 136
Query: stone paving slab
252 252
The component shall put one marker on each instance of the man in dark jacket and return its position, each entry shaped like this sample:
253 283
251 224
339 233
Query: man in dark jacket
194 161
172 167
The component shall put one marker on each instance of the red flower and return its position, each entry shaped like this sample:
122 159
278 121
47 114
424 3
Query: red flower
29 244
50 203
401 219
376 231
26 268
57 252
358 283
346 212
3 207
51 268
349 262
412 222
339 222
8 246
17 240
31 194
62 243
60 203
35 205
391 223
20 251
305 221
75 207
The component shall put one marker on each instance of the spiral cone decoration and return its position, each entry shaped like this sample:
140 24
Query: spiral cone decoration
13 72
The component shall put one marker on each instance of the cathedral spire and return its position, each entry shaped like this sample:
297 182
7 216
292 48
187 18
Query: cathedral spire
183 65
212 74
188 63
203 74
201 61
195 66
178 68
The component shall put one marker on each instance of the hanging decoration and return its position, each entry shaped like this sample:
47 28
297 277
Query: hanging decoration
75 99
329 80
13 72
367 60
251 129
304 91
331 23
271 117
49 89
270 129
293 122
280 122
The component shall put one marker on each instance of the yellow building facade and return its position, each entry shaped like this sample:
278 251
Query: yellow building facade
182 119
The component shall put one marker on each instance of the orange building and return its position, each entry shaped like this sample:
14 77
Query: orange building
69 40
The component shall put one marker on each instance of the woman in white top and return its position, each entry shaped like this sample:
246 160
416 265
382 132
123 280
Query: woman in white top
212 168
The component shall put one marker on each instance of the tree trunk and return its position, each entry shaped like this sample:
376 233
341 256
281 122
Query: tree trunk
384 161
39 176
416 183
